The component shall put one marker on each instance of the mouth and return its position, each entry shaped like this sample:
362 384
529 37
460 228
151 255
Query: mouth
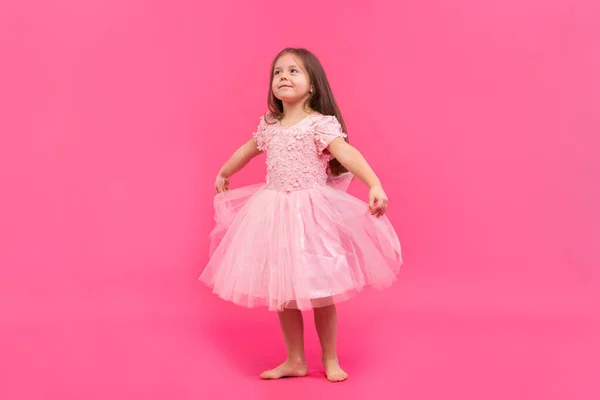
284 86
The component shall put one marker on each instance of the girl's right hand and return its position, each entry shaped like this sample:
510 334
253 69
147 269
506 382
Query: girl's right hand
221 184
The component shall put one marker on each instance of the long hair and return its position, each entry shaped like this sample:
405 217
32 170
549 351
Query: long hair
320 100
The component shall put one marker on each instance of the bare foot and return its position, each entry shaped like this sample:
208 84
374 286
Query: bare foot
288 368
333 371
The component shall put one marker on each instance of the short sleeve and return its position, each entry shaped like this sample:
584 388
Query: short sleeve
327 129
260 135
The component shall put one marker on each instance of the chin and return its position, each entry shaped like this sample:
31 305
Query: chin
288 99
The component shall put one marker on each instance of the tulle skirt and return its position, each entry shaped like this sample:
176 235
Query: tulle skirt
301 249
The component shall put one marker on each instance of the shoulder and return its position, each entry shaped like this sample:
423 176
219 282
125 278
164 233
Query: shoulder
320 119
327 124
266 120
264 130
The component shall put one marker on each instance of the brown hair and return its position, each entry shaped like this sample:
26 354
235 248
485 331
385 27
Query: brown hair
320 100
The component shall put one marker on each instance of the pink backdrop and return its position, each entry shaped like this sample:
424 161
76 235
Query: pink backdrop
481 118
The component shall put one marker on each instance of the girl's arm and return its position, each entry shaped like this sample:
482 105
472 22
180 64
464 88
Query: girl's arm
354 162
236 162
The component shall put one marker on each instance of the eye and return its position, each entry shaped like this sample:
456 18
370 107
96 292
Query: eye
294 70
276 73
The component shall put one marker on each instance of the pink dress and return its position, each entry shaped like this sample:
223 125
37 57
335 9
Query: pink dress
298 240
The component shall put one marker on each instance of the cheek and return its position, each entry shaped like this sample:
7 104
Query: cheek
302 82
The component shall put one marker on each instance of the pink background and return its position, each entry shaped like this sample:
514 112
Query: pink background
481 118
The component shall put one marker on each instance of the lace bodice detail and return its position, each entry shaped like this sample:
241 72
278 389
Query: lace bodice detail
297 155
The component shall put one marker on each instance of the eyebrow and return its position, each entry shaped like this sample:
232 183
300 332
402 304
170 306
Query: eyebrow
289 66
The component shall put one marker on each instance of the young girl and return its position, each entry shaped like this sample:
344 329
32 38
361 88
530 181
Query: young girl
300 241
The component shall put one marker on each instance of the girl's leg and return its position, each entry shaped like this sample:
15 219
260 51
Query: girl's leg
292 326
326 324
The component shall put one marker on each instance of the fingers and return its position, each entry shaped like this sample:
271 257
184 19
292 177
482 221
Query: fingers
379 209
221 184
221 188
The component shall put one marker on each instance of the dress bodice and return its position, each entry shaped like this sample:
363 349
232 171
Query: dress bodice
297 155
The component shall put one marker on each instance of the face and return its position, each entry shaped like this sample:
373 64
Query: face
291 83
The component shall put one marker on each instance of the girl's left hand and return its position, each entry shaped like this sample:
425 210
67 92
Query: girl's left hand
378 201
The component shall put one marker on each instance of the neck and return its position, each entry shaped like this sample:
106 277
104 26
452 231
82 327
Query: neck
297 109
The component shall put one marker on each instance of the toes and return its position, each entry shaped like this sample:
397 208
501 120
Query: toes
268 375
338 377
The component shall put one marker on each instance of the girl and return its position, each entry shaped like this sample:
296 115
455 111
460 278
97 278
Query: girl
299 241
